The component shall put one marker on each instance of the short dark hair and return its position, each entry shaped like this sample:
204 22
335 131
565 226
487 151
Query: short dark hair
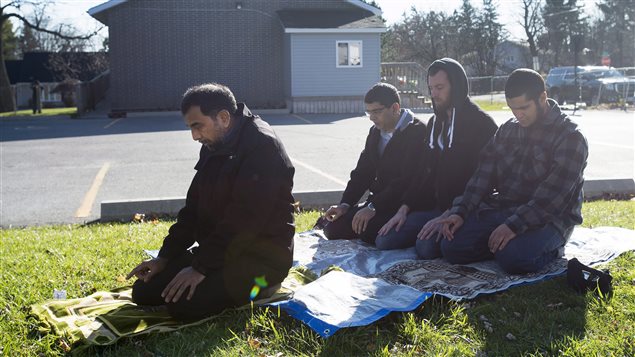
524 81
210 97
383 93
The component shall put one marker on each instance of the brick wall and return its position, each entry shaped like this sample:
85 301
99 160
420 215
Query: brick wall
160 48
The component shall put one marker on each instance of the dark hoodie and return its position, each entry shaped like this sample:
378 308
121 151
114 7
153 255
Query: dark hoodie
444 172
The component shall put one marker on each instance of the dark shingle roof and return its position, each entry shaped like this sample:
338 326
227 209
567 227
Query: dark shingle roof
328 19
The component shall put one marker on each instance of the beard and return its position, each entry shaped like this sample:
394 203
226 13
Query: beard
441 106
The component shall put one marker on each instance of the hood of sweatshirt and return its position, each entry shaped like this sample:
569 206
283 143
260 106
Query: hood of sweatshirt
459 86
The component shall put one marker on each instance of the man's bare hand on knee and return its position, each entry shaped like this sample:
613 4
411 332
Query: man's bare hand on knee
187 279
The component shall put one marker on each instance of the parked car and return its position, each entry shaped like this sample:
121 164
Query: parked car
617 87
596 84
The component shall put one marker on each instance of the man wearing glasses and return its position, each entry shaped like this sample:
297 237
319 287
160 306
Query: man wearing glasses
394 145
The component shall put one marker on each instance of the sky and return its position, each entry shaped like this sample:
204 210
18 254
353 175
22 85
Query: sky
74 12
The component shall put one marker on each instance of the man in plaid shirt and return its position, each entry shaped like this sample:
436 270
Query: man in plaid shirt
522 202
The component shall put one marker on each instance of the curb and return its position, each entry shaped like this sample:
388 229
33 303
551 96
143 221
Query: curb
124 210
598 188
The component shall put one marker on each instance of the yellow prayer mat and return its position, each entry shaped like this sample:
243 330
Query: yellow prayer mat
106 316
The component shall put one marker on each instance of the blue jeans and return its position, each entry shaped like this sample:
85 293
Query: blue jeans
527 252
407 235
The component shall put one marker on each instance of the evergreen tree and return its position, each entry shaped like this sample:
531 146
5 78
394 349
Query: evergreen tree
9 41
564 22
614 32
492 32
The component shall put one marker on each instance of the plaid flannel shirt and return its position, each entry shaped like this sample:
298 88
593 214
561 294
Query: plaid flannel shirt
533 174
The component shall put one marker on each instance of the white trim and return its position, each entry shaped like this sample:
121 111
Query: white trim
361 54
105 6
336 30
365 6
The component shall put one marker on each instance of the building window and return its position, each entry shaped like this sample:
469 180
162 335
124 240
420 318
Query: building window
349 53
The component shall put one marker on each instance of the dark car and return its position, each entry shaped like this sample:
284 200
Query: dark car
591 87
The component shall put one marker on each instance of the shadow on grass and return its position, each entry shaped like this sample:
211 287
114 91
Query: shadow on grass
196 340
531 319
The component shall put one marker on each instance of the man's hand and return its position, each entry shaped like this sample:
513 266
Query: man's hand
147 269
335 212
187 278
446 226
361 219
396 221
500 237
432 227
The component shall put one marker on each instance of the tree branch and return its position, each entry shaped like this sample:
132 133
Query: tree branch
52 32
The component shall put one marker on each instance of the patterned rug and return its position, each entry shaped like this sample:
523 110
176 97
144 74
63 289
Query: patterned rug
376 282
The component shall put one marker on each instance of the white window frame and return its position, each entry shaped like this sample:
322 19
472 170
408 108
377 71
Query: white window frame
349 65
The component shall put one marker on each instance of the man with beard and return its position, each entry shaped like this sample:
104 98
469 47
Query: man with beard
522 203
239 209
456 133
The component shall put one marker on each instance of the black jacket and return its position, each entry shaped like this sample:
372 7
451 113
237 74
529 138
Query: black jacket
444 173
386 176
239 207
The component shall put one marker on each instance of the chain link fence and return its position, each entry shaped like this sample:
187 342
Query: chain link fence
620 90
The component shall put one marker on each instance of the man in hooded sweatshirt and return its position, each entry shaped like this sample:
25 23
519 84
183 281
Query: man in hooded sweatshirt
522 203
456 133
394 144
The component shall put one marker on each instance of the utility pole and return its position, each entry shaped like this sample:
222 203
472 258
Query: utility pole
577 44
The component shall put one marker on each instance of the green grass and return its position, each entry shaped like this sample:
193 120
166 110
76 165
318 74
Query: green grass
546 318
488 105
45 112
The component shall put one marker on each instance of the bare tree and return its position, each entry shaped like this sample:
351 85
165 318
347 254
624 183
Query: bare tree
533 25
420 37
16 9
67 65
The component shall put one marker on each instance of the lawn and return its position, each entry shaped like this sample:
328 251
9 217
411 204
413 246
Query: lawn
488 106
544 319
45 112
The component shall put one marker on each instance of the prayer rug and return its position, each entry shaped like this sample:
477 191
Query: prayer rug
376 282
104 317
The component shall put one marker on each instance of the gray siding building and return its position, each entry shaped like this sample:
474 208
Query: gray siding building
303 55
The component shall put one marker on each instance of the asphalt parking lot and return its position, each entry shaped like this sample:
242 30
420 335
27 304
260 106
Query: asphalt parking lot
58 170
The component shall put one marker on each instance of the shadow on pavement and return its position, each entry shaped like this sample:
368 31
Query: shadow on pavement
20 128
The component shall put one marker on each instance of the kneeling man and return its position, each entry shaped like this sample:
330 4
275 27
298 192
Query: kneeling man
239 209
522 202
394 146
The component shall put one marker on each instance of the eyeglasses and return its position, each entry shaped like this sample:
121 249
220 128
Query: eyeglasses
375 111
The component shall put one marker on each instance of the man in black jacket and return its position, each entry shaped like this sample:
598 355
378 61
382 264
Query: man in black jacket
394 144
239 209
457 132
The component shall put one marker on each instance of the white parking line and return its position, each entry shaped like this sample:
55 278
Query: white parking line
318 171
301 118
612 145
89 198
111 123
